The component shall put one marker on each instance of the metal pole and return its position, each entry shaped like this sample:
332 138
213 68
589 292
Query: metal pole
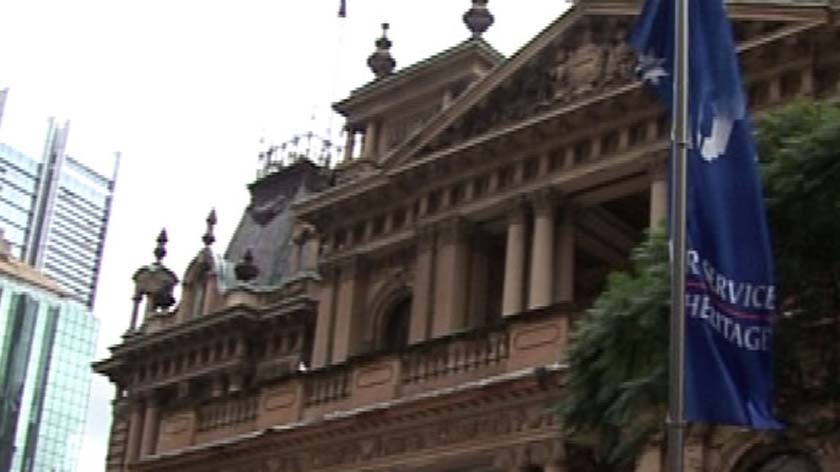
676 419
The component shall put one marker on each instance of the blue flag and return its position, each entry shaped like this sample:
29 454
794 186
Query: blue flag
730 288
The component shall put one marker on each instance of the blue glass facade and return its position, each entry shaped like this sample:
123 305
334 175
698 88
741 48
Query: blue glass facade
55 213
18 186
46 346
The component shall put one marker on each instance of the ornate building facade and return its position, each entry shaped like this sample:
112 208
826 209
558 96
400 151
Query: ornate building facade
410 309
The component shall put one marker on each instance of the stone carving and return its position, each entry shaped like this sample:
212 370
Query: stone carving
479 428
585 66
620 60
583 62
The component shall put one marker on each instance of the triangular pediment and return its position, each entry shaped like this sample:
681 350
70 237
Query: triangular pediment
581 57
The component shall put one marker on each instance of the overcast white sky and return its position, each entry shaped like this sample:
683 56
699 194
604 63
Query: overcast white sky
185 89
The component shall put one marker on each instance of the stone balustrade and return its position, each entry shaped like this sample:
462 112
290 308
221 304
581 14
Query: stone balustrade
228 412
327 386
475 351
531 339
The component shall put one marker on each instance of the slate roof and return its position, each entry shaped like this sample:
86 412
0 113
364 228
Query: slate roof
267 223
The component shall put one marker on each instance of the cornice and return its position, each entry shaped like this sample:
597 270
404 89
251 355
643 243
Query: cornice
801 19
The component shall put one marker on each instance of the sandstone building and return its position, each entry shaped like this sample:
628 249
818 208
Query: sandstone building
409 310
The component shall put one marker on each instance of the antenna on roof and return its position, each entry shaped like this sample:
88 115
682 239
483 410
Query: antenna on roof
337 69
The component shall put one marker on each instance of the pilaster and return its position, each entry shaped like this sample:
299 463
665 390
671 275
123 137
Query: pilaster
349 309
424 286
135 431
321 352
151 422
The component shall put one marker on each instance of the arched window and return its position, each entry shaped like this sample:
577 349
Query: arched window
396 324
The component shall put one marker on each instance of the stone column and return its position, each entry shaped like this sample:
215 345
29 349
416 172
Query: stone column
150 427
135 431
349 144
135 309
452 267
565 256
542 252
309 252
322 349
423 290
369 143
514 262
348 310
658 193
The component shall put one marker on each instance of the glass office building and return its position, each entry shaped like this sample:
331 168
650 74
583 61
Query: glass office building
18 187
47 342
55 213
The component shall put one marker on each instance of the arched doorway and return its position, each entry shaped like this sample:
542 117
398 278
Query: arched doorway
395 325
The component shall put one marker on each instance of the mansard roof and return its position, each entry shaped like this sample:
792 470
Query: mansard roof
267 223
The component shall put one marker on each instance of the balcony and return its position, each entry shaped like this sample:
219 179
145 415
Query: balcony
531 339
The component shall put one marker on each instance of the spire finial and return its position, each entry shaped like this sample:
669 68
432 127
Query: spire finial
160 249
246 270
381 62
208 237
478 18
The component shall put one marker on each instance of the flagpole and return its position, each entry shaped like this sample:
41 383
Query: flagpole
676 418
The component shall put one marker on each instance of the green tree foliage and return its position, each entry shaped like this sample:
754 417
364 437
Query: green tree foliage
617 385
800 157
616 391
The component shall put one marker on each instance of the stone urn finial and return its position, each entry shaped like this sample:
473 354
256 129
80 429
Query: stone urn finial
160 249
381 62
209 238
478 18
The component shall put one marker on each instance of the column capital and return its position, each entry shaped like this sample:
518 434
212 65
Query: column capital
453 229
515 209
328 269
657 167
150 398
302 233
425 236
544 200
350 266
